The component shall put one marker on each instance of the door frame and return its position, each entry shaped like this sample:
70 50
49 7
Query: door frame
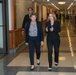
5 49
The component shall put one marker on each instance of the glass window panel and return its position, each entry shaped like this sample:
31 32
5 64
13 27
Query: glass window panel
1 37
1 14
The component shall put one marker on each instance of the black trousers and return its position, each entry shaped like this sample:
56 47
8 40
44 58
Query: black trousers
34 43
50 44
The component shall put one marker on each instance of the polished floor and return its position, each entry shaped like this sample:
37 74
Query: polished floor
18 63
2 55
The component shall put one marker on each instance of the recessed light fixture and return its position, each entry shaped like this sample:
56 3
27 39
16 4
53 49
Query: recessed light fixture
55 6
70 6
61 2
47 0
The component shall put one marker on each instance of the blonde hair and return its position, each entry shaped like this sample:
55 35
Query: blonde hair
53 14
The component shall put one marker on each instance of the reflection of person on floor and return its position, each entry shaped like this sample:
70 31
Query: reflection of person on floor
53 39
34 38
26 19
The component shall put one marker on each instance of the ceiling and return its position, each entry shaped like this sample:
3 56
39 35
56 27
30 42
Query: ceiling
61 7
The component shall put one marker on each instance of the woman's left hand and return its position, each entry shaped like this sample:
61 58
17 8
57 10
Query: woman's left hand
42 43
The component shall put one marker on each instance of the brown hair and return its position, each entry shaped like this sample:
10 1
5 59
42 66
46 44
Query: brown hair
30 8
33 14
54 16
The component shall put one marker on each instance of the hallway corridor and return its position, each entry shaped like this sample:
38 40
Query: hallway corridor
18 63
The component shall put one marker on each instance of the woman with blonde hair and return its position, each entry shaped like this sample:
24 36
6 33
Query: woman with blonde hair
53 39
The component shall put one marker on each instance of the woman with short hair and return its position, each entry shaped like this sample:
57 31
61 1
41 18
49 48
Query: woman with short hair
34 38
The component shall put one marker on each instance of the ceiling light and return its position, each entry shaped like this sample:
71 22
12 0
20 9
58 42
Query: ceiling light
47 0
70 6
61 2
71 3
55 6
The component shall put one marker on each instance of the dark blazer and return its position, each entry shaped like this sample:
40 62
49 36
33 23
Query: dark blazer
25 20
39 28
57 29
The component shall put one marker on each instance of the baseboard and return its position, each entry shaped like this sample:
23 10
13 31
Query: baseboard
16 49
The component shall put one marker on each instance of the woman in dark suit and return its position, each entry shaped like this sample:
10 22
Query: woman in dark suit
34 38
53 39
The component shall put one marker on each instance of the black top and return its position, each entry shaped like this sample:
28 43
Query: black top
39 31
26 20
54 34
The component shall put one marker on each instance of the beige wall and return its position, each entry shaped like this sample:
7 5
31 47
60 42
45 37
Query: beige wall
50 10
44 13
21 10
35 6
42 10
35 10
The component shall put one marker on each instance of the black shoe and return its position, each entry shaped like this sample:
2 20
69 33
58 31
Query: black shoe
38 63
56 64
32 68
50 69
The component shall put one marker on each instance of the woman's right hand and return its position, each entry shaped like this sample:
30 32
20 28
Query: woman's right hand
26 44
46 29
42 43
